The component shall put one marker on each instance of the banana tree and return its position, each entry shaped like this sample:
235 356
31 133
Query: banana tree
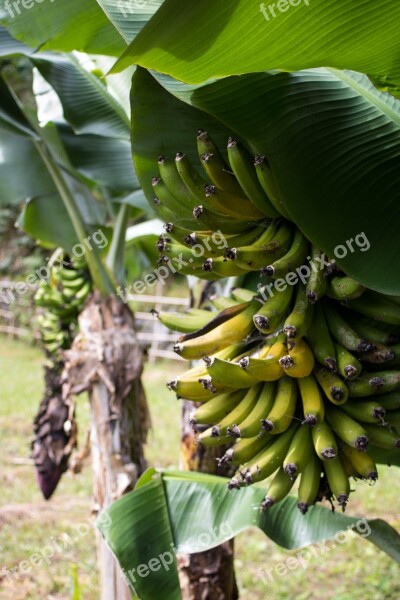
65 156
333 142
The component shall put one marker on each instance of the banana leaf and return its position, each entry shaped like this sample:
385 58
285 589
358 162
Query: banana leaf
332 138
146 528
214 38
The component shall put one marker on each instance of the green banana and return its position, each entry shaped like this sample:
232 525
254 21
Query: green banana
313 404
373 305
215 166
324 441
348 365
217 408
185 322
298 456
343 333
244 449
263 464
334 388
298 321
370 384
243 168
317 282
388 401
223 371
282 413
369 411
278 490
259 255
344 288
320 340
251 426
379 355
267 366
346 428
372 333
289 262
310 481
382 436
271 314
269 185
236 416
360 461
338 480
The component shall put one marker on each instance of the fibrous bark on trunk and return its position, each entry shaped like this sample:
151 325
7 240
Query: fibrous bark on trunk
106 361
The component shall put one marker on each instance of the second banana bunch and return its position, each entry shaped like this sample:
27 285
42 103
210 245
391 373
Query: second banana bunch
300 382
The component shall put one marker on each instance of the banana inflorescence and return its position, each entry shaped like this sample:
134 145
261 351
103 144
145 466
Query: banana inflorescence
301 380
61 299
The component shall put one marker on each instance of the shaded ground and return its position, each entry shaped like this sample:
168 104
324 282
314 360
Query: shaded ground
61 529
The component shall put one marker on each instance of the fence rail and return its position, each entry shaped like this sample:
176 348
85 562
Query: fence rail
16 319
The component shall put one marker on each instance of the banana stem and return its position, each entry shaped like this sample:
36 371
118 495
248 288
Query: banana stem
115 256
101 279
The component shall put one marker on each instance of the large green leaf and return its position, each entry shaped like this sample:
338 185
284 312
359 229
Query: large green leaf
62 25
214 38
129 16
173 511
333 141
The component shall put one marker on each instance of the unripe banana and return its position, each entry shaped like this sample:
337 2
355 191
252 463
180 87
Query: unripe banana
343 333
389 401
217 408
324 441
370 384
300 360
223 372
338 481
298 456
236 416
257 256
269 185
298 322
313 404
310 480
265 462
344 288
251 426
185 322
317 282
266 366
271 314
242 166
245 449
373 333
215 166
382 436
278 490
367 411
320 340
282 413
346 428
373 305
348 365
335 389
294 258
381 354
360 461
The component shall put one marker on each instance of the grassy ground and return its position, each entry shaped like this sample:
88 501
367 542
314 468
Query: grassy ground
354 570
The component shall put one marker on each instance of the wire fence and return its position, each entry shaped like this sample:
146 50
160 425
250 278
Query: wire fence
17 319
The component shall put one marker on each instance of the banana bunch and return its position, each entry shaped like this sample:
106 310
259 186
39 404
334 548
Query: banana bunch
228 221
61 298
298 380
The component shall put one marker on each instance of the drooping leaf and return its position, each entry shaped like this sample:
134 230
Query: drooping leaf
145 528
62 25
213 38
333 141
129 17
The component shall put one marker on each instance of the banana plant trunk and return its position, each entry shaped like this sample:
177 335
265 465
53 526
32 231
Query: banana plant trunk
206 575
106 361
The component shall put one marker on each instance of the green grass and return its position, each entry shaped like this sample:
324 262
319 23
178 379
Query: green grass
355 570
